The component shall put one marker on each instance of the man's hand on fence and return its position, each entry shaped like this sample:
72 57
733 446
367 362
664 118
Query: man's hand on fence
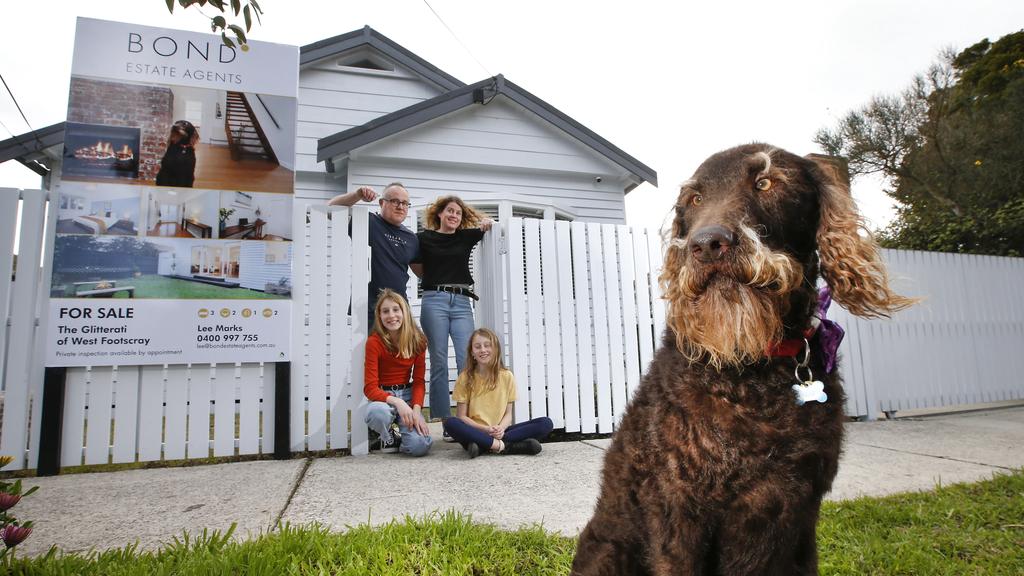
366 193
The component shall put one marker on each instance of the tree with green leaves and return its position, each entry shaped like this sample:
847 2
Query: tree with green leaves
950 150
246 10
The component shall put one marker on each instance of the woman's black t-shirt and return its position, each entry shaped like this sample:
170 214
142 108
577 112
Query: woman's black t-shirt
445 257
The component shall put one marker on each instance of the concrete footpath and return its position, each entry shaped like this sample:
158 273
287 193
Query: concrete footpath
557 489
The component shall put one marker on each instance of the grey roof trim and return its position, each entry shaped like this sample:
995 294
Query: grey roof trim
29 147
368 36
395 122
579 131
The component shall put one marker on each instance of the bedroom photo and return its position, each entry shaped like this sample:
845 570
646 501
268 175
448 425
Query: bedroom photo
98 209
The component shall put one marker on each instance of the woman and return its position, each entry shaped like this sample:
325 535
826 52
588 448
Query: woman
485 396
393 377
178 166
453 229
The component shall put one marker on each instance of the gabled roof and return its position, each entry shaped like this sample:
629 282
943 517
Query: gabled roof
30 148
344 142
370 37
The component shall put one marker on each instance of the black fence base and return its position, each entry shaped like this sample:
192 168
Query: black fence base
282 410
51 421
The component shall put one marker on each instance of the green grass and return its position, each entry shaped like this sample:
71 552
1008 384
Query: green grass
155 286
964 529
959 530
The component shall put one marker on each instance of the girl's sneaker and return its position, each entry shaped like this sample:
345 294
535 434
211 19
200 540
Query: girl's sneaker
387 444
391 442
529 447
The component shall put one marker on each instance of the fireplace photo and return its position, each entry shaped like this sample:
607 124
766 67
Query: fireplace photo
98 151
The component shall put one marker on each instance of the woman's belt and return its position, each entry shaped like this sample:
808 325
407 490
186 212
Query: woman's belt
395 387
461 290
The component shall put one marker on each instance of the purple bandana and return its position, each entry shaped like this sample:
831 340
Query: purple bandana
829 334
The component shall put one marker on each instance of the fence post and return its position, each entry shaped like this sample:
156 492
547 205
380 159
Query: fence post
51 422
282 410
21 321
491 285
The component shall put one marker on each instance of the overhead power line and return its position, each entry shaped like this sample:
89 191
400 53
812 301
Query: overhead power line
461 43
20 111
16 105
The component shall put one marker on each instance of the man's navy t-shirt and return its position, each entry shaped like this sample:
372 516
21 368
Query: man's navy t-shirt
392 247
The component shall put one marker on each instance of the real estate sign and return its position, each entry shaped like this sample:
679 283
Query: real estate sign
174 213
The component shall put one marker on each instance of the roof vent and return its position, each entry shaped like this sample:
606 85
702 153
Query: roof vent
368 64
366 61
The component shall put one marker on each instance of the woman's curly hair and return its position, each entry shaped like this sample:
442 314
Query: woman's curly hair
471 217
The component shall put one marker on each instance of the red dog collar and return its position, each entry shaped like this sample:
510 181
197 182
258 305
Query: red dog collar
792 347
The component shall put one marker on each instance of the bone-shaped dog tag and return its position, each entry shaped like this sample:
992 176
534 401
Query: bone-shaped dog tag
810 392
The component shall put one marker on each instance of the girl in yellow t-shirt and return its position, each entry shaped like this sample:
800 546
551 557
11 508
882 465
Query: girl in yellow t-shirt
484 396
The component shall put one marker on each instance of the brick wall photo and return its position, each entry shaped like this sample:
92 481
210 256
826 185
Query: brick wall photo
149 108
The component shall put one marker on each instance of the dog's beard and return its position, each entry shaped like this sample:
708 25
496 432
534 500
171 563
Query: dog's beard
728 313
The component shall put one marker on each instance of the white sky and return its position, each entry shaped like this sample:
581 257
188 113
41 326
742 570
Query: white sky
668 82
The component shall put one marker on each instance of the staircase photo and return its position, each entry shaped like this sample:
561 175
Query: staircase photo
245 136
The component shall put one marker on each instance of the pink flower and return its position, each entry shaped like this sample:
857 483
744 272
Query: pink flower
7 501
13 535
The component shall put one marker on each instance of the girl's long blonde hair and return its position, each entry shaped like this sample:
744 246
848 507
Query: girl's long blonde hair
486 379
411 340
471 217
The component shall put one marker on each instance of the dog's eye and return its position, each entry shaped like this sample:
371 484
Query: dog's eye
763 184
696 199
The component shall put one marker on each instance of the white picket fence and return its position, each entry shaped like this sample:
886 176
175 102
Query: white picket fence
584 318
577 305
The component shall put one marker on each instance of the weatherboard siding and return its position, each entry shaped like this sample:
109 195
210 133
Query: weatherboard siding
254 273
335 98
501 135
577 195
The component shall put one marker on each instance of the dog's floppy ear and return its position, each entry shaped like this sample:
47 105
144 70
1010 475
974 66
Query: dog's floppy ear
850 261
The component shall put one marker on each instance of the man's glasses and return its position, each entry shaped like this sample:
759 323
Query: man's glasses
398 203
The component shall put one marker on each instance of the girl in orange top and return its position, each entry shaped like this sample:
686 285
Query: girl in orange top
485 395
393 377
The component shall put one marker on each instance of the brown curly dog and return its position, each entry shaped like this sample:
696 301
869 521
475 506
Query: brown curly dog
719 466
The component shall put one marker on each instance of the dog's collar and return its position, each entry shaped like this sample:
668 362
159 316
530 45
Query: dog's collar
789 348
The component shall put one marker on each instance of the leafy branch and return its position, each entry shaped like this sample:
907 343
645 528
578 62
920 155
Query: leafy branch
246 11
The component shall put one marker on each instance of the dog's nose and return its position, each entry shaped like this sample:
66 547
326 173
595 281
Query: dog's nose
711 243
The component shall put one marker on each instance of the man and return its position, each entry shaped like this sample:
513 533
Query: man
393 245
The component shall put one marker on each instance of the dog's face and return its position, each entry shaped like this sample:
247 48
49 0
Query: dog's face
184 132
742 261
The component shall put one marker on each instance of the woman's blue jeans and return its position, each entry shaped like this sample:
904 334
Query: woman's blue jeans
442 316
